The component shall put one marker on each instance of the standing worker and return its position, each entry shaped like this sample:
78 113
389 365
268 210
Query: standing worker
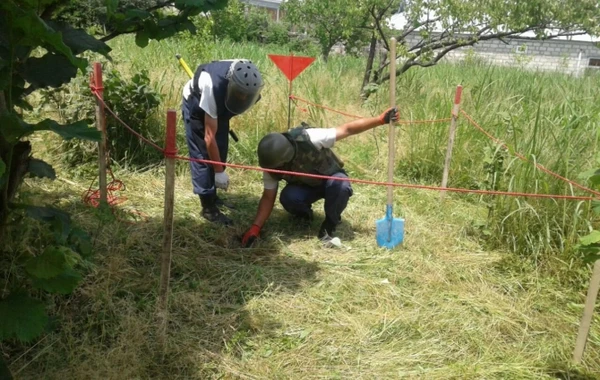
308 150
218 91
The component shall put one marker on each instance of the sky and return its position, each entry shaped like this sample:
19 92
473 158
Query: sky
398 21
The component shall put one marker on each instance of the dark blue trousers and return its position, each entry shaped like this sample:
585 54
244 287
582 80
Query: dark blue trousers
203 175
298 199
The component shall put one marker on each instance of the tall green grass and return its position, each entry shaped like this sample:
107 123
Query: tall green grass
550 118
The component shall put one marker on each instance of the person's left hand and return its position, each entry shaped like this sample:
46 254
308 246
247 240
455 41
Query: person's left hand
391 114
250 236
221 180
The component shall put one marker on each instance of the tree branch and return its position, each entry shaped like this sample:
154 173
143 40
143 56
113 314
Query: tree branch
378 27
117 33
449 46
416 26
159 6
49 11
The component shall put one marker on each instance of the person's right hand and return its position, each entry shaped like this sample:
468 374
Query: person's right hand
250 236
221 180
391 114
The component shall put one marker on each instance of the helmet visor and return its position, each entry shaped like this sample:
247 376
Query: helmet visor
240 99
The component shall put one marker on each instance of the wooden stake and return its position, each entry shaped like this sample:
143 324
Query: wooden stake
165 270
101 126
588 313
452 133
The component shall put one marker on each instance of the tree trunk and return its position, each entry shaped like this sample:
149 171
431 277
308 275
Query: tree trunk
382 62
325 53
16 159
369 68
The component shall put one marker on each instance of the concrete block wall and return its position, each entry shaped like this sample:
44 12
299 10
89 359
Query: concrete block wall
547 55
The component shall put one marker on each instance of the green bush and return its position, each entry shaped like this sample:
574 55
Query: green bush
258 25
231 22
278 33
133 100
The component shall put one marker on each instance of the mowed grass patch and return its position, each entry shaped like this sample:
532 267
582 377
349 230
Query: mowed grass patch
440 306
448 303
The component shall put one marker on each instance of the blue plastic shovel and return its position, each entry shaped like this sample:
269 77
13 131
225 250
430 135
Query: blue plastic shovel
390 230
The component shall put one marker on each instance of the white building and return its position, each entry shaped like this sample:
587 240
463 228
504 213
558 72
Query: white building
271 6
574 55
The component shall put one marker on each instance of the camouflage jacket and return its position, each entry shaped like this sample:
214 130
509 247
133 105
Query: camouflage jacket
308 159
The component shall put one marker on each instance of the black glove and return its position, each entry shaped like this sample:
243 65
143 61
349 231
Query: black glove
391 114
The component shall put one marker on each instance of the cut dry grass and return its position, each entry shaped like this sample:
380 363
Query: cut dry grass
438 307
441 306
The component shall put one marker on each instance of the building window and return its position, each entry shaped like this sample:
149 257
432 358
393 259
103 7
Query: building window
521 49
594 62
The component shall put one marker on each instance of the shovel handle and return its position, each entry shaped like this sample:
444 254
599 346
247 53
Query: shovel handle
391 128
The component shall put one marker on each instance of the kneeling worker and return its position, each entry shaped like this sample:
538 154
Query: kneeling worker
308 150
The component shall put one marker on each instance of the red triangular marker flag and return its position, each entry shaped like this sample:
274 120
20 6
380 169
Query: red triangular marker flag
291 65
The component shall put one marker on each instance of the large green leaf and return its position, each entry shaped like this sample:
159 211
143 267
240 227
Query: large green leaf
64 283
81 242
13 128
596 207
591 257
50 70
41 169
2 167
52 262
142 38
60 220
78 130
47 214
140 14
36 32
111 7
592 238
21 317
78 40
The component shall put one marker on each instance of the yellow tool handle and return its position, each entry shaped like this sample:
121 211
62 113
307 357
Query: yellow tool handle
191 75
184 65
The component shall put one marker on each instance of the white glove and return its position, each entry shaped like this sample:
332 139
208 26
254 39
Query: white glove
221 180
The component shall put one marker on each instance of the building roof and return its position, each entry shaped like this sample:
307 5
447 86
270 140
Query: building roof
273 4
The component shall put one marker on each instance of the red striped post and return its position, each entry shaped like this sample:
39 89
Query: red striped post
170 152
96 82
452 134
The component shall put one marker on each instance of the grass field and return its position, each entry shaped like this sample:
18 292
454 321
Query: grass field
454 301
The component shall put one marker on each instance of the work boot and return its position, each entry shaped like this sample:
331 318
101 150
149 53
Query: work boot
303 219
327 229
219 202
211 212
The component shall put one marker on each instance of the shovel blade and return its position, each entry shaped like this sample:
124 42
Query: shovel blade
390 230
